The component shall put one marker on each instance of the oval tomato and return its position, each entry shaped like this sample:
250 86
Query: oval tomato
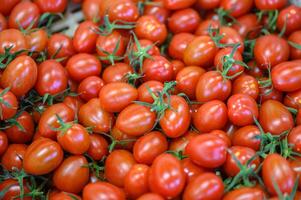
89 87
247 136
102 191
98 147
85 37
13 157
245 192
52 6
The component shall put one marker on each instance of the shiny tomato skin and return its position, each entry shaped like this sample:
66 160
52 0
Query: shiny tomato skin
23 15
166 176
246 84
52 6
89 87
37 40
212 86
116 72
191 170
242 109
93 115
149 146
293 99
9 109
49 120
117 165
14 38
243 155
186 20
187 79
13 190
75 140
71 175
158 11
275 118
148 27
270 4
208 4
237 8
270 50
136 181
114 97
7 6
286 76
203 27
231 36
151 196
178 44
269 94
52 78
119 136
3 143
245 193
74 103
19 136
277 169
135 120
295 165
143 90
3 22
20 75
290 17
82 65
42 156
176 120
60 46
207 150
200 52
85 37
13 157
157 68
294 138
180 143
247 26
223 135
247 136
102 191
98 147
204 186
210 116
124 10
294 52
91 9
178 4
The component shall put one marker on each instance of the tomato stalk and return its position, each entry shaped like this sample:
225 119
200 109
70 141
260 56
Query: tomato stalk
271 25
64 127
13 122
2 101
8 57
141 5
248 53
111 57
132 78
177 154
225 18
96 167
115 142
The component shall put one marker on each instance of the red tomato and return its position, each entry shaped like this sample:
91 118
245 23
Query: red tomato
178 44
149 146
296 38
290 17
89 87
295 165
13 189
125 141
14 39
9 104
166 176
245 192
82 65
293 99
13 156
124 10
91 9
136 181
85 37
211 116
270 50
180 143
176 120
237 7
93 115
23 15
286 76
212 86
277 170
71 175
247 26
20 75
294 138
60 46
3 142
49 120
203 28
117 166
191 170
231 36
3 22
270 4
151 196
114 97
102 191
52 6
148 27
136 120
42 156
98 147
207 150
247 136
247 85
52 78
37 40
143 91
116 73
158 11
200 52
204 186
275 118
242 109
7 6
178 4
208 4
74 103
222 134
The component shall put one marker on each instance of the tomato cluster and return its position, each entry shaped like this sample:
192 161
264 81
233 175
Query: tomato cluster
151 100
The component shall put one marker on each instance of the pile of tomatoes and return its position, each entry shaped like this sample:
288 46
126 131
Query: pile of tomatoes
151 100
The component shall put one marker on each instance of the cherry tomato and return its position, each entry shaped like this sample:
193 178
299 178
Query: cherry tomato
114 97
293 99
9 104
290 17
122 10
60 46
158 11
52 78
294 138
71 175
117 165
7 6
13 189
231 36
52 6
211 116
247 26
23 15
42 156
82 65
37 40
178 4
237 8
150 196
270 4
125 141
166 176
294 52
149 146
20 75
3 22
136 120
143 91
277 170
203 28
73 102
223 135
13 156
247 136
180 143
204 186
191 170
275 118
98 147
91 9
207 150
250 193
102 191
14 39
85 37
295 165
3 142
208 4
89 87
116 73
178 44
247 85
